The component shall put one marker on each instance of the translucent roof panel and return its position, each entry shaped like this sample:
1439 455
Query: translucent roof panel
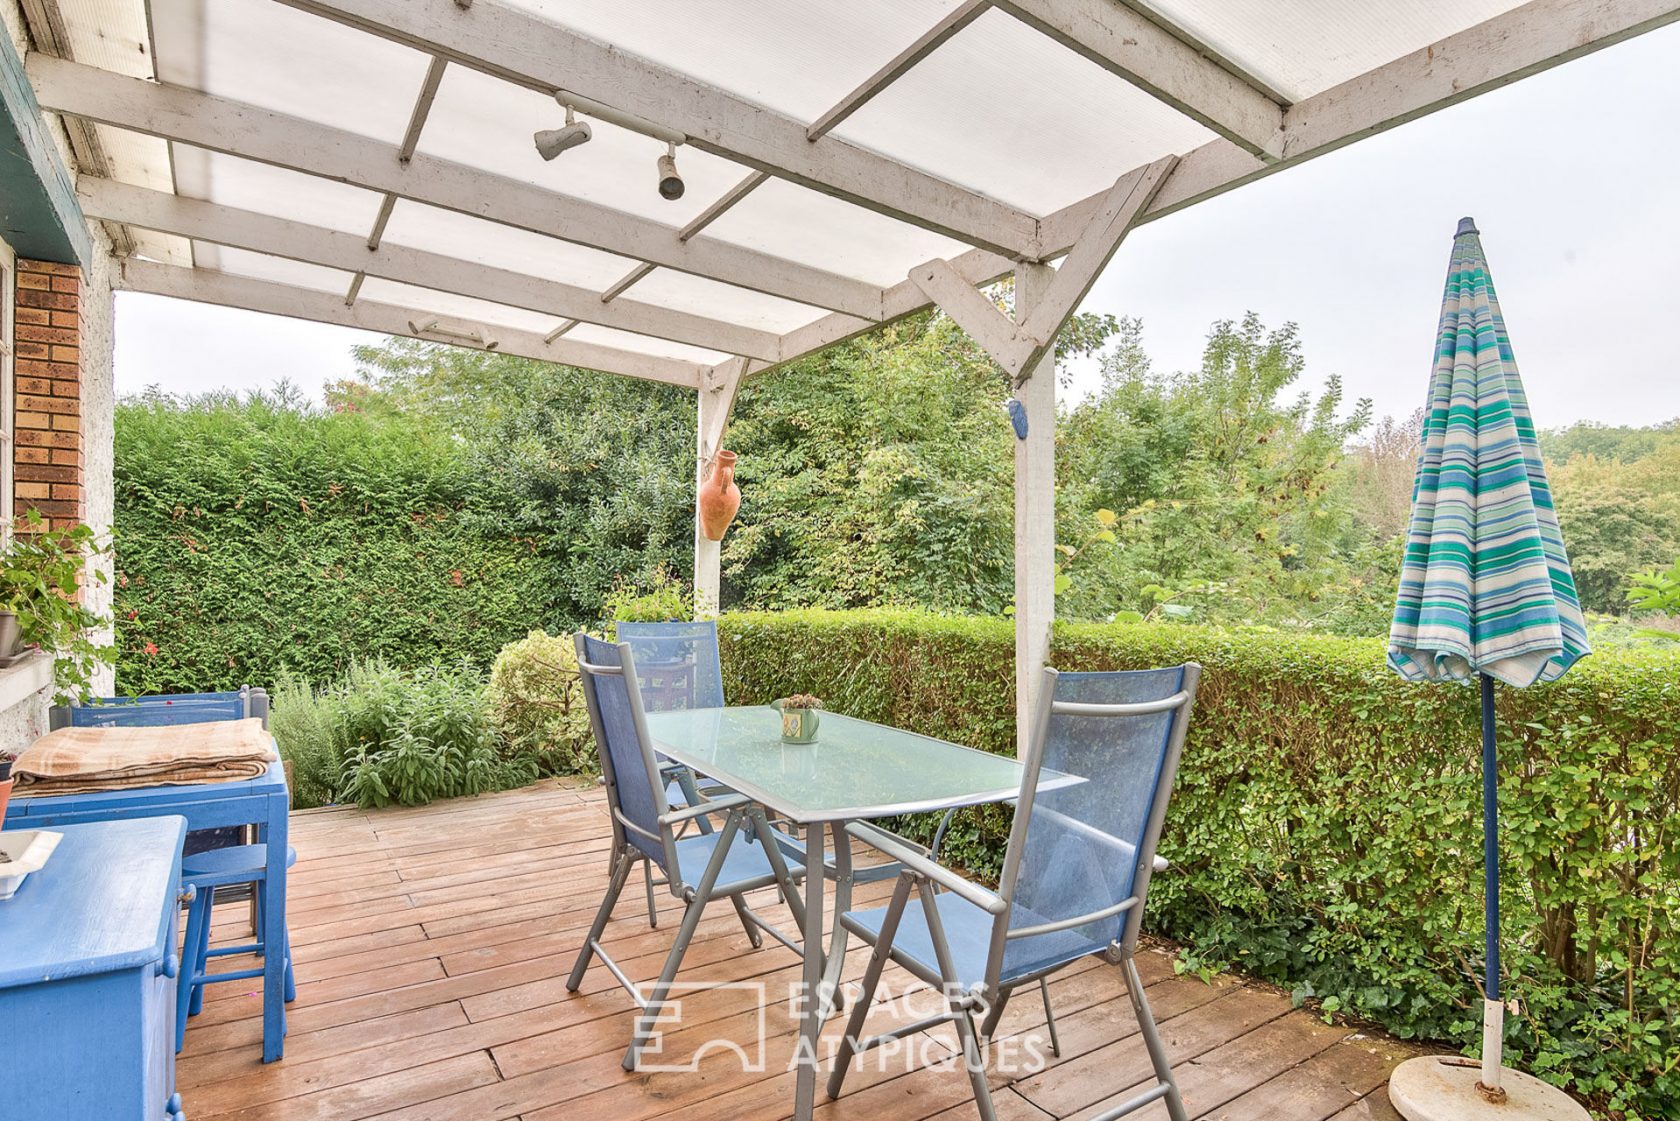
1304 47
247 185
624 340
111 36
490 243
287 60
260 266
1013 114
714 300
801 225
488 123
136 158
799 57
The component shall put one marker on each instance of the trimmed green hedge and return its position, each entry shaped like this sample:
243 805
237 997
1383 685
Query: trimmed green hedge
1326 830
252 536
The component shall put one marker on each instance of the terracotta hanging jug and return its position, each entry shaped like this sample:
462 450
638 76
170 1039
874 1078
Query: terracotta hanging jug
720 498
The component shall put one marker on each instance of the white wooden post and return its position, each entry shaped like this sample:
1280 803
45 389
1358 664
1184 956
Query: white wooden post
717 399
1035 512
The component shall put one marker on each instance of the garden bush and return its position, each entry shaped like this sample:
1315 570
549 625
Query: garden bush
1326 830
254 535
536 702
383 735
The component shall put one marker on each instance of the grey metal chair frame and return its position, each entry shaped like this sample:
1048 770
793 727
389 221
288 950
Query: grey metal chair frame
741 813
925 876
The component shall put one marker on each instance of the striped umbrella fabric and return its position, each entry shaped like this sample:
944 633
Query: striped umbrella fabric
1485 587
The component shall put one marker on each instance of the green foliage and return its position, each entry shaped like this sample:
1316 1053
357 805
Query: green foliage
258 533
1658 592
662 599
1618 500
384 735
40 574
536 703
1219 480
1325 833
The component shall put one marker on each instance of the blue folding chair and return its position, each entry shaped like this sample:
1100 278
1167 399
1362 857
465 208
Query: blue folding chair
1097 777
699 868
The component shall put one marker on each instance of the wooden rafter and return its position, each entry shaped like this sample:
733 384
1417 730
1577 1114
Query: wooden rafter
250 132
280 237
1137 49
211 287
522 48
1018 344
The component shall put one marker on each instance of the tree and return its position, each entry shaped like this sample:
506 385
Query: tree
1219 481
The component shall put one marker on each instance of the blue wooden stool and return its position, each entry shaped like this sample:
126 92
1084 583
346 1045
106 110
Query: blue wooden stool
201 874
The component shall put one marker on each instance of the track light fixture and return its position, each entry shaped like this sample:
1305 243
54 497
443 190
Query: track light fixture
670 183
552 141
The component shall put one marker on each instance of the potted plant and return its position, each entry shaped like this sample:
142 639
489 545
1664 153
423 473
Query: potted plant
7 758
40 574
799 717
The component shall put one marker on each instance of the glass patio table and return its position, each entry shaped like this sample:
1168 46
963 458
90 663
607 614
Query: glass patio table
855 770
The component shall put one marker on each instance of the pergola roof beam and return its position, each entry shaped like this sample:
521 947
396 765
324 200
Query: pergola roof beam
1527 40
250 132
519 47
1142 52
422 109
278 237
211 287
930 41
1018 345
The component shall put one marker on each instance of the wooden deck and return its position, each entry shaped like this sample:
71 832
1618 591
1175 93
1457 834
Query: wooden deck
428 991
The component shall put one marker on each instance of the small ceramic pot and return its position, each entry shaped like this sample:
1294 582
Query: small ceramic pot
799 725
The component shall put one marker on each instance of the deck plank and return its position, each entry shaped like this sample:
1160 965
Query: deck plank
433 943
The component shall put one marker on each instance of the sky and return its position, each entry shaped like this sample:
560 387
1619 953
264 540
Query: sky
1572 176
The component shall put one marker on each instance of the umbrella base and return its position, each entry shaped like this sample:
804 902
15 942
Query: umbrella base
1443 1088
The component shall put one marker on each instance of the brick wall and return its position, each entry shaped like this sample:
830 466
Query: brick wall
49 392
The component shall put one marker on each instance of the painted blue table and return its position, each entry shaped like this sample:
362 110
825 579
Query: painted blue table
262 802
88 974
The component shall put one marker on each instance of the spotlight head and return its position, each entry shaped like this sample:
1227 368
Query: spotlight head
552 141
670 183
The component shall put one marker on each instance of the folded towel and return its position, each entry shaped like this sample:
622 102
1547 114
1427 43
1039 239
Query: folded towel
84 760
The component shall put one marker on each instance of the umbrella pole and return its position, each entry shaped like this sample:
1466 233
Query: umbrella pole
1493 1007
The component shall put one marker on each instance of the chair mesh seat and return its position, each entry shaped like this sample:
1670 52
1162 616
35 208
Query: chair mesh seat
968 931
745 868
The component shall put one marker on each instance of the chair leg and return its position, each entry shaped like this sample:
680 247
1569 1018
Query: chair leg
190 966
202 953
620 876
653 907
1152 1041
754 935
973 1057
702 895
988 1026
871 977
291 980
1050 1017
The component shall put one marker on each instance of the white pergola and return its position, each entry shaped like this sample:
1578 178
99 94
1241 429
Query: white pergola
370 163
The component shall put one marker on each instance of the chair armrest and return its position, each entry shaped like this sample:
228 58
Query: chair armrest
716 805
922 866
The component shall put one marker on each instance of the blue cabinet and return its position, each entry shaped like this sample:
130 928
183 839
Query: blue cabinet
88 963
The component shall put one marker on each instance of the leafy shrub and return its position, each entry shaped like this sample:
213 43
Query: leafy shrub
660 599
258 533
302 722
384 735
1325 832
536 702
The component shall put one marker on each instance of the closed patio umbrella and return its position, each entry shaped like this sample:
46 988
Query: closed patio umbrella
1485 592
